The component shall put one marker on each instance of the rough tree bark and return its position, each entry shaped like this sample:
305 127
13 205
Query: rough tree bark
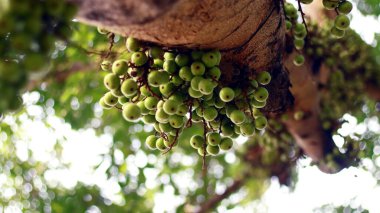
308 131
250 33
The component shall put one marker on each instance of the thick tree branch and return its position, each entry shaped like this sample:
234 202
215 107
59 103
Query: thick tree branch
308 131
212 203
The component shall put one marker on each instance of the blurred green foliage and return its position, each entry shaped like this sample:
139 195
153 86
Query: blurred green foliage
368 7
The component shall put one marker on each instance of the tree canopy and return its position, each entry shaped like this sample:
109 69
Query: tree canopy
54 59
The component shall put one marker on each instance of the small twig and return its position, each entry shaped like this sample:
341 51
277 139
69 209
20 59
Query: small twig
111 38
126 76
302 15
173 143
220 126
249 105
210 127
164 136
215 80
119 108
144 82
86 51
336 10
151 92
175 90
204 167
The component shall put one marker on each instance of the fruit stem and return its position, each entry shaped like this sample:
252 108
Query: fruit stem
172 144
204 166
111 38
302 15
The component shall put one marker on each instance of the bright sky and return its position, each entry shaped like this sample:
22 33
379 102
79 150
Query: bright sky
313 189
366 26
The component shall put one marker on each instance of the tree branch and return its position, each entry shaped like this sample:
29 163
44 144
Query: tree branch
307 132
212 203
60 76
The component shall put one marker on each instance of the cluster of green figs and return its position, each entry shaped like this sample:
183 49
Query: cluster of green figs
341 22
172 89
342 8
299 31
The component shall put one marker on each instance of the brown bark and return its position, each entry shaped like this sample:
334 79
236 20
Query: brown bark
218 24
308 131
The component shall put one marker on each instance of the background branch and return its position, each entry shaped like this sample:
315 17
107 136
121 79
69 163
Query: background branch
213 202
